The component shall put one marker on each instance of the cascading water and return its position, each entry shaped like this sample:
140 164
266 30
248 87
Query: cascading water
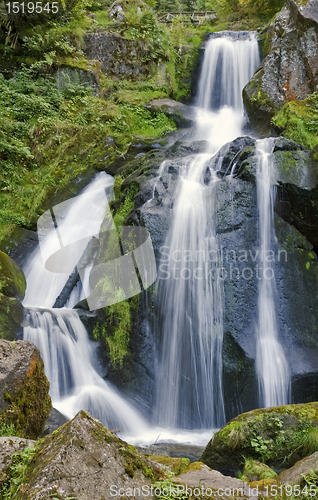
272 367
67 353
189 388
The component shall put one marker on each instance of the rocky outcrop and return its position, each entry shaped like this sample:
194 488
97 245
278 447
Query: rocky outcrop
12 290
183 115
83 459
290 70
274 436
118 57
24 388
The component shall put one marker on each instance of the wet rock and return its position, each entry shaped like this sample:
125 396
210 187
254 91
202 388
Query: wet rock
54 421
183 115
24 398
84 460
259 433
289 71
232 155
198 475
304 467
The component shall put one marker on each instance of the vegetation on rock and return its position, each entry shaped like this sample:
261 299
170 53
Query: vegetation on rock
277 437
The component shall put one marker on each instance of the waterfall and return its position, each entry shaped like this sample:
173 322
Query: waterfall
68 354
271 364
190 294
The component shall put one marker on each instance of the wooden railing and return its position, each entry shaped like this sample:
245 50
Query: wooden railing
187 17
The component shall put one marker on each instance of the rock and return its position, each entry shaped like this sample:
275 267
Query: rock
255 471
198 475
54 421
24 398
118 57
290 70
183 115
304 467
234 153
117 9
85 459
169 464
8 446
12 279
274 436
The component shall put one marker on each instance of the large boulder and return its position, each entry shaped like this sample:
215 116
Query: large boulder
290 70
277 437
24 388
85 460
12 290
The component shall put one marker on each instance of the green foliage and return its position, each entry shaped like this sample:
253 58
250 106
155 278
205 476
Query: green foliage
8 430
298 120
17 472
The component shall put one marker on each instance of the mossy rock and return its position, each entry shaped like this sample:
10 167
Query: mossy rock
277 437
12 279
170 464
255 470
11 316
24 388
85 460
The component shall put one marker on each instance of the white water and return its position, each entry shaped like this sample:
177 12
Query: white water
189 388
271 364
68 355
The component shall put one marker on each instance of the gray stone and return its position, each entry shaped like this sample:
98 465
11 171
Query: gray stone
290 70
183 115
295 475
118 57
85 459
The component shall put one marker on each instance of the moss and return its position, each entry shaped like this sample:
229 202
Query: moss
298 121
31 406
277 437
174 465
12 279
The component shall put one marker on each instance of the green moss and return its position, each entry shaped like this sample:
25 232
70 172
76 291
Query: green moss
298 120
174 465
277 437
255 470
31 406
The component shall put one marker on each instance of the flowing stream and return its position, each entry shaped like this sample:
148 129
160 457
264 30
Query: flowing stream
272 367
189 388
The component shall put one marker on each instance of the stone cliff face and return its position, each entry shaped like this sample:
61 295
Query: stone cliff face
118 57
290 70
237 229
